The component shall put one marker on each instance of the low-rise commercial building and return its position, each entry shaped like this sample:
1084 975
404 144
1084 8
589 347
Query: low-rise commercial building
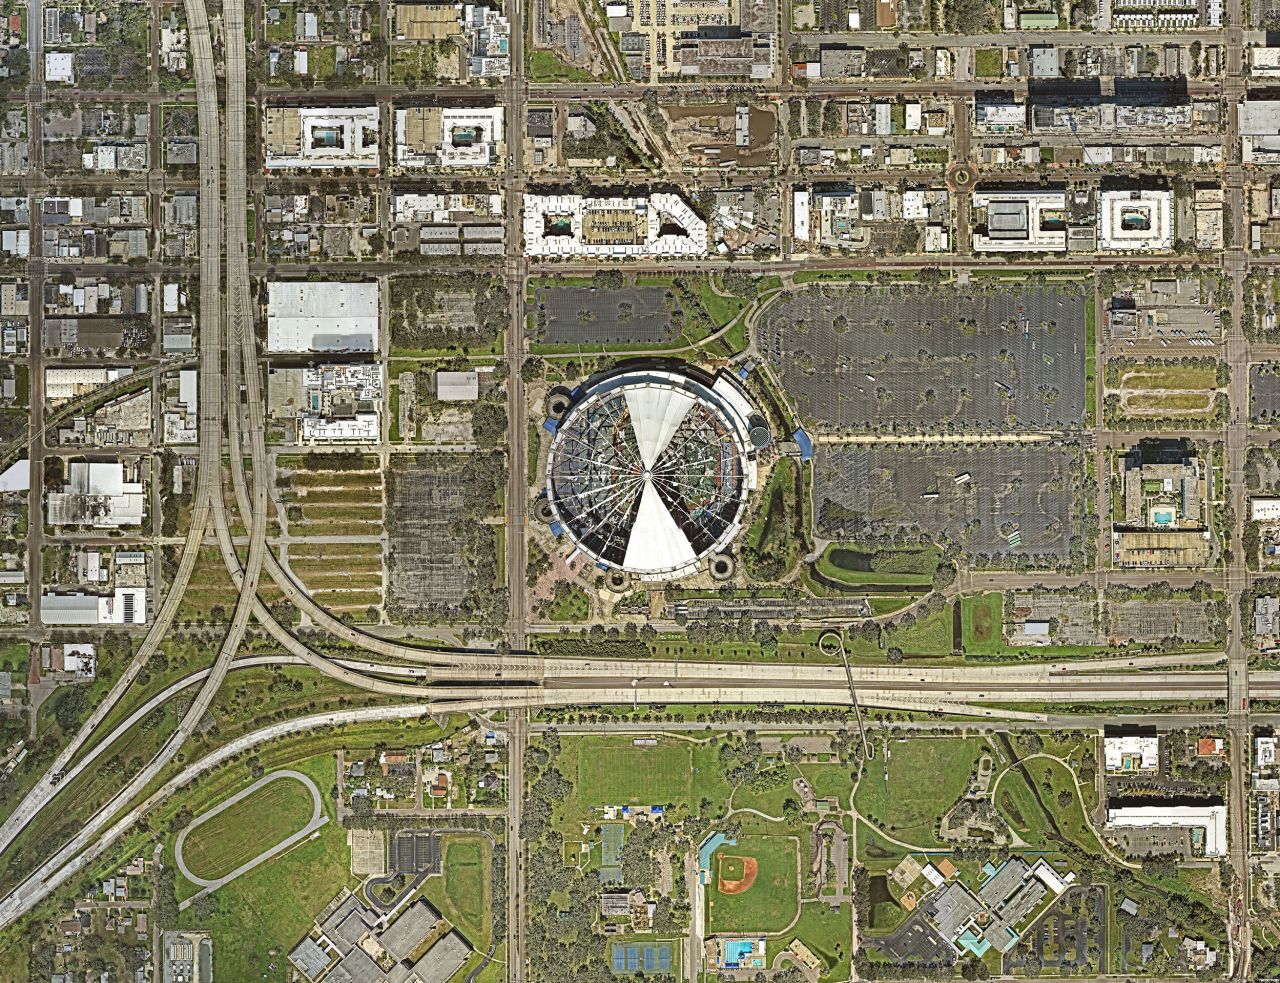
1259 131
1131 754
99 495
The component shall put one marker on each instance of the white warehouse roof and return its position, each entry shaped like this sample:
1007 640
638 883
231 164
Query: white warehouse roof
303 316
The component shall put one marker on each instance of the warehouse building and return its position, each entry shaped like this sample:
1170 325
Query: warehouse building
306 316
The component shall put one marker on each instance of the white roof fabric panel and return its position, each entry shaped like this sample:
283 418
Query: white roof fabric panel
656 542
17 477
656 412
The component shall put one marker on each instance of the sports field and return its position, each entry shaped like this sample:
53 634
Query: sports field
464 894
771 902
622 774
252 825
902 803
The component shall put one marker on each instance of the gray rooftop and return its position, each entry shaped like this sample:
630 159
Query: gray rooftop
410 930
309 958
443 959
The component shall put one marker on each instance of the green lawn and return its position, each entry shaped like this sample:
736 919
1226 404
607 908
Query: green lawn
827 933
770 904
770 801
571 605
929 637
773 545
1017 802
256 823
617 772
722 309
829 781
925 776
982 622
464 894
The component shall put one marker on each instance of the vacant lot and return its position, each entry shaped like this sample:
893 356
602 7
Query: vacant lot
253 824
342 577
1001 503
331 494
1000 358
772 902
1165 392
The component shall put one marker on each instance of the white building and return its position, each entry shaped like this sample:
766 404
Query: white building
64 384
321 137
125 606
457 387
1260 131
1264 509
451 137
1212 820
1020 221
442 208
1007 118
1264 751
1135 221
60 66
1264 62
305 316
1131 754
332 403
801 201
612 228
182 423
97 494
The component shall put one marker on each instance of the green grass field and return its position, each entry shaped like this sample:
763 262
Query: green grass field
464 894
988 63
829 781
770 904
906 806
1018 803
928 637
982 621
546 66
253 824
827 933
626 775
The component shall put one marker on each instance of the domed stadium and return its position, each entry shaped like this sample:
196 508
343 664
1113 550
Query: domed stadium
650 469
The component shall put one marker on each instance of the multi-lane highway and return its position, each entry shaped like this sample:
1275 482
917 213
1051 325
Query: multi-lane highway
417 680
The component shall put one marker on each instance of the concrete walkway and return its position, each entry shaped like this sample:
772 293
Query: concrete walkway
318 819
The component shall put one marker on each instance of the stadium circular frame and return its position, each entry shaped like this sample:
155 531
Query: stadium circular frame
650 468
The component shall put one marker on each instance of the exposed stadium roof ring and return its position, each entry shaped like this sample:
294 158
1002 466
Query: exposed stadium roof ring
651 467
